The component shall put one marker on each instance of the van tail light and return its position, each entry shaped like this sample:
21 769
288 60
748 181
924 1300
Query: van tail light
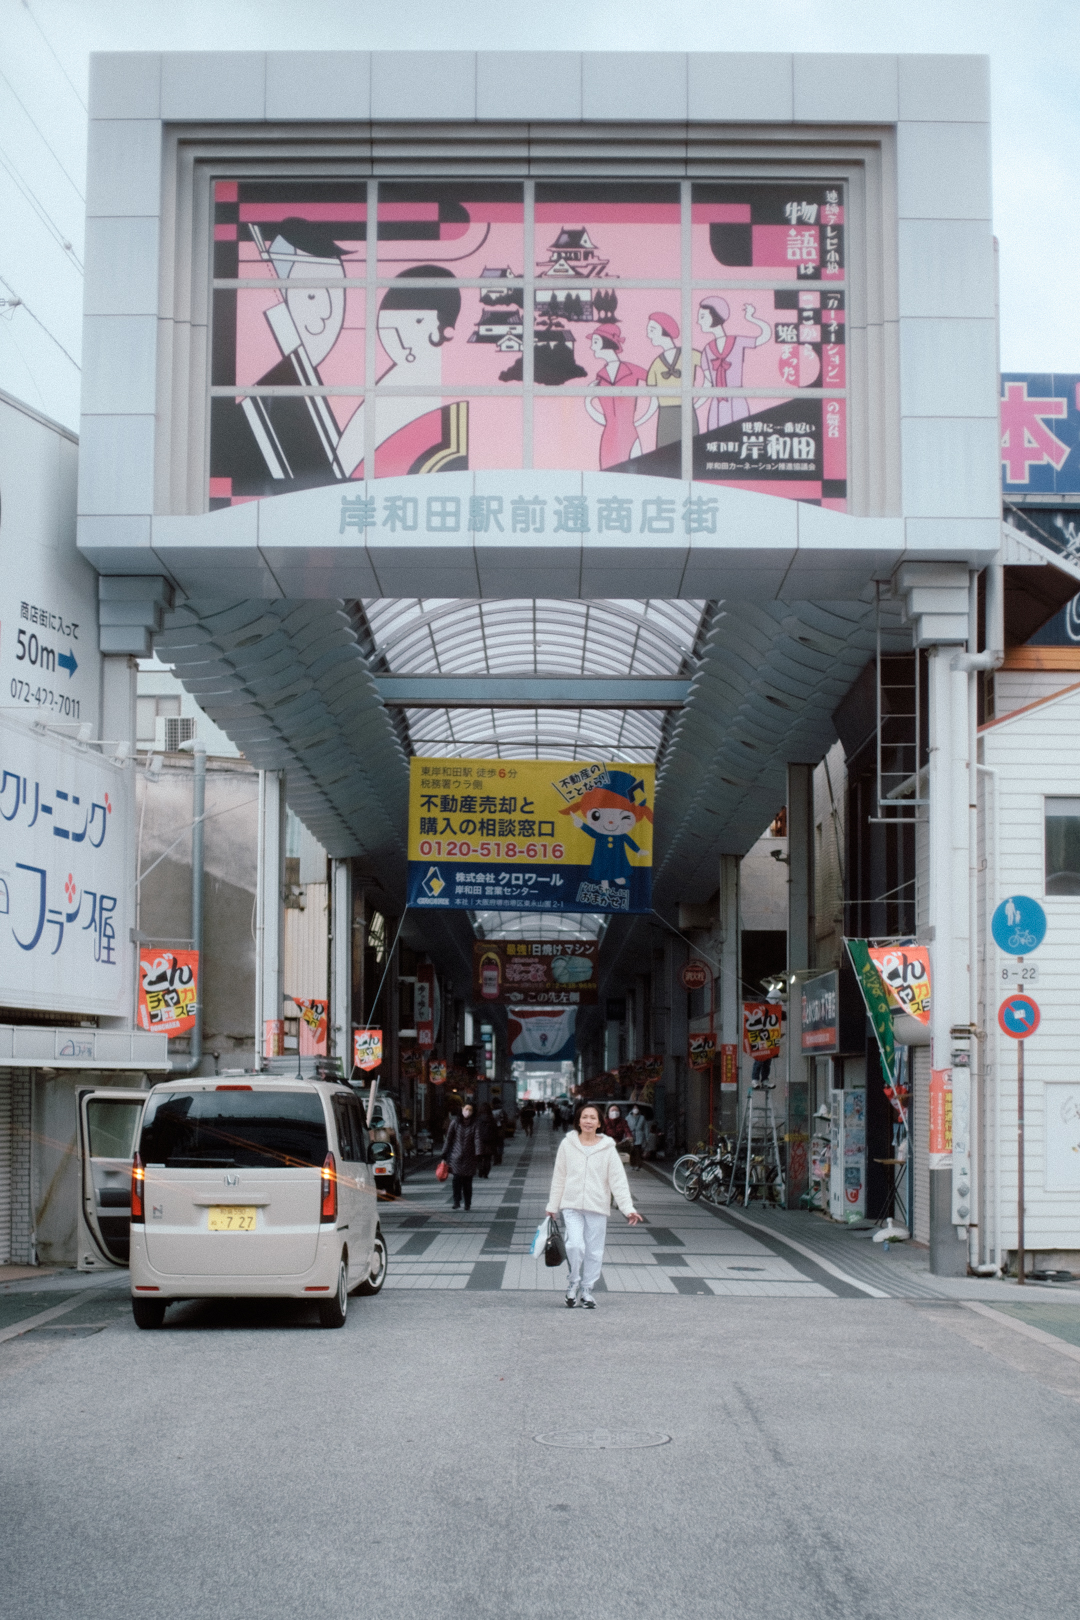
138 1179
329 1189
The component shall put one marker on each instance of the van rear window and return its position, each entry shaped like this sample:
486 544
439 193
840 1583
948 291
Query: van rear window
249 1129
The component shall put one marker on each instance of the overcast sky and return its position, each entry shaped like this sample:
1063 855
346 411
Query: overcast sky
44 45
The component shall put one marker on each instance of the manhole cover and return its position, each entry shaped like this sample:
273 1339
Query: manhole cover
603 1439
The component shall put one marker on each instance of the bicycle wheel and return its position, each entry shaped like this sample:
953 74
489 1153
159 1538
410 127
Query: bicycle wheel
693 1187
683 1167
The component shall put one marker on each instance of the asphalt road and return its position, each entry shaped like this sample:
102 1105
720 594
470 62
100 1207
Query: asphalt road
826 1457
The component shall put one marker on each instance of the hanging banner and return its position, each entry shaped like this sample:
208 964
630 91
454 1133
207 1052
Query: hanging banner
762 1029
904 970
542 1034
367 1048
427 1006
702 1051
876 998
273 1037
314 1017
530 835
437 1071
168 990
535 972
940 1141
729 1064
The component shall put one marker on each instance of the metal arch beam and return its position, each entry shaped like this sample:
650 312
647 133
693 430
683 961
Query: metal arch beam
289 686
530 692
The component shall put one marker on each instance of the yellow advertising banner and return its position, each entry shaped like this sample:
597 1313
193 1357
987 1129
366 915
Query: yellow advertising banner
530 835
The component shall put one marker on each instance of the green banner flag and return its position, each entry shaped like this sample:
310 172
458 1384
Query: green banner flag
877 1004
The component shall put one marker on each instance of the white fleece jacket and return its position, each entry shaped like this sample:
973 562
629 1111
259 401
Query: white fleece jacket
589 1180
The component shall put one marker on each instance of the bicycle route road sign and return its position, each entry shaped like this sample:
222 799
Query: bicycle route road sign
1018 925
1019 1017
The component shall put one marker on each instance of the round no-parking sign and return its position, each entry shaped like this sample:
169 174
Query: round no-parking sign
1018 1016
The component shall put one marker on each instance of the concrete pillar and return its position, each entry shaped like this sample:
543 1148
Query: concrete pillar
341 941
949 930
937 600
800 934
729 985
270 907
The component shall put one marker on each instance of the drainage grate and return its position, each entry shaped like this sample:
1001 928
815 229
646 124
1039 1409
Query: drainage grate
603 1439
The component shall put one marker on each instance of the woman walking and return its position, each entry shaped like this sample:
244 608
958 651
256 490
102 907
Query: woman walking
485 1126
588 1175
461 1151
638 1127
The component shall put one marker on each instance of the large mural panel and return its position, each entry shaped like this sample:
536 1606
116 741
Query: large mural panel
664 328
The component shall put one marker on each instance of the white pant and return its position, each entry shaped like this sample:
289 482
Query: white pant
585 1234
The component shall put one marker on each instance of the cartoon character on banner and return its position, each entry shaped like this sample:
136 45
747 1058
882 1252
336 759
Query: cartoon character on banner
608 815
616 413
720 364
662 332
313 1025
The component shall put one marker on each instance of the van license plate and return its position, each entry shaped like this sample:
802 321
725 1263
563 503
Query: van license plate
232 1217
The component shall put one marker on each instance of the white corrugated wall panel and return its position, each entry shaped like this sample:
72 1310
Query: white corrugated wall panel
1035 756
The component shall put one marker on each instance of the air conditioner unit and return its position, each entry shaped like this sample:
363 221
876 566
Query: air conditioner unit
172 730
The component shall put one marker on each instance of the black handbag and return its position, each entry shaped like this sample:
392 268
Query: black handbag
554 1248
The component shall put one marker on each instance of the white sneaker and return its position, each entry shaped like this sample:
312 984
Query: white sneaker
572 1294
587 1301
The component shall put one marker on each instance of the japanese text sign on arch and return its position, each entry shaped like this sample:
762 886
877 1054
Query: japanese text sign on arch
530 835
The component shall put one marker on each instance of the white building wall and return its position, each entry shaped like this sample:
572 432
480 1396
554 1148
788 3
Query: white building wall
1034 755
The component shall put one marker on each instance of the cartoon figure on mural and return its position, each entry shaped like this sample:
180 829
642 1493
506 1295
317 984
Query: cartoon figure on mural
419 435
662 332
608 815
297 441
720 364
616 413
292 442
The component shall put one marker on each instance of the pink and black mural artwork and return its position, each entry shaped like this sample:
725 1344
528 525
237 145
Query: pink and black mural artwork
372 329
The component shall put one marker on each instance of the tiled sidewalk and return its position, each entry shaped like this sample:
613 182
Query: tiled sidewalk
683 1248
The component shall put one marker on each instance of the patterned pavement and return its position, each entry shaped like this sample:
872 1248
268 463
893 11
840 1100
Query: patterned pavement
682 1249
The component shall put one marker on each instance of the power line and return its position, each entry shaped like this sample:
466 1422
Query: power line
52 53
15 302
33 121
40 210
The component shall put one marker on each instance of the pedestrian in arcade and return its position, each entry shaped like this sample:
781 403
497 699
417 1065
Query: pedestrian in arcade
528 1119
461 1151
588 1175
617 1128
638 1126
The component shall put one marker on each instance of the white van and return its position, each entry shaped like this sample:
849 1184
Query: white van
260 1188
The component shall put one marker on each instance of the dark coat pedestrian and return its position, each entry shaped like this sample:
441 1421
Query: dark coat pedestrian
461 1151
485 1135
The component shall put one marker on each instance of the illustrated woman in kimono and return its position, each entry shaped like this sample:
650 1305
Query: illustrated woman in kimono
616 412
418 435
721 361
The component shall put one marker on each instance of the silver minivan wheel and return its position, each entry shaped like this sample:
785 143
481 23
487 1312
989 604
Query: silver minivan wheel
332 1312
372 1283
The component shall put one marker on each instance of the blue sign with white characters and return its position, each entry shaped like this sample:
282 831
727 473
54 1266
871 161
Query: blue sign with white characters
1018 925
